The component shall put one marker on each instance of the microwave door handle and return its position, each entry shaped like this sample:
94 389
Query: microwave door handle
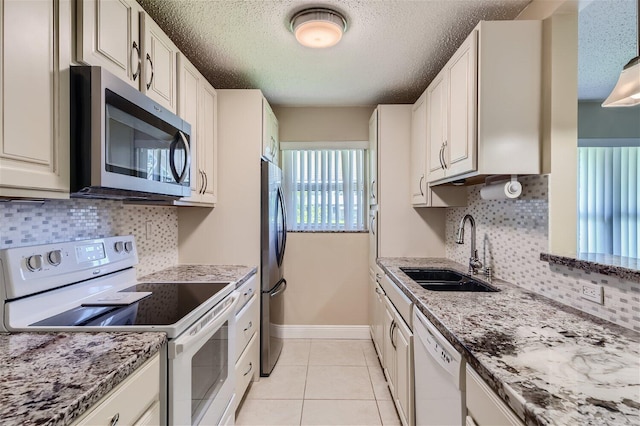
172 157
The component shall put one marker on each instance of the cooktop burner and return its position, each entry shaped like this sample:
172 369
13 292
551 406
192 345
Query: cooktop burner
168 303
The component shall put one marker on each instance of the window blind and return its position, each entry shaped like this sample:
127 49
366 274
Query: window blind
608 200
325 189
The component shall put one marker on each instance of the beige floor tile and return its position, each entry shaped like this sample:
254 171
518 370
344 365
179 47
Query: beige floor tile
286 382
323 412
269 412
336 352
338 382
295 352
388 413
380 386
370 355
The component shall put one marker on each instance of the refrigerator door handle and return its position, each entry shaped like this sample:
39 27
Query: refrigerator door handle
283 242
280 287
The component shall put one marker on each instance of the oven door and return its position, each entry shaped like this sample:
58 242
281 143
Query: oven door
201 367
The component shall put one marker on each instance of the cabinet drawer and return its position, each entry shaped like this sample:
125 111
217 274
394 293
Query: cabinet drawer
247 367
247 290
247 323
484 406
132 400
398 298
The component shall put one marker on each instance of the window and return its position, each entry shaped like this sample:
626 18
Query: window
608 200
324 188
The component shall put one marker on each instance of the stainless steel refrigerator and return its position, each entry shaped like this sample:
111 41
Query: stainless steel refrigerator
273 240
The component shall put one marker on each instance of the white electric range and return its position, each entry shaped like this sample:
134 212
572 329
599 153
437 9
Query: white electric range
91 285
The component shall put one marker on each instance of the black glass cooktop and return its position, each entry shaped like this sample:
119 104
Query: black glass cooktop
167 304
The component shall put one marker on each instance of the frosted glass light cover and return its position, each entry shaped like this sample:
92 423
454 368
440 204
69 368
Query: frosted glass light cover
318 34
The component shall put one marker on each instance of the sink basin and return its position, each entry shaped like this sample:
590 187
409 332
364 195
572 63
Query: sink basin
446 280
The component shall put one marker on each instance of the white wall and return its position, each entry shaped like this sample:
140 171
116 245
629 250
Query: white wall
327 273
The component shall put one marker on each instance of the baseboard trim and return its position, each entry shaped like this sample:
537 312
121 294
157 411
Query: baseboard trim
355 332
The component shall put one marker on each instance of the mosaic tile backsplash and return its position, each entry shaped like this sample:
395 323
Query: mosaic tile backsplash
511 234
25 224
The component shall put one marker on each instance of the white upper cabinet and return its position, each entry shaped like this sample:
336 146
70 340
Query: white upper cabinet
270 138
483 108
35 40
419 185
159 69
197 104
373 159
428 118
108 36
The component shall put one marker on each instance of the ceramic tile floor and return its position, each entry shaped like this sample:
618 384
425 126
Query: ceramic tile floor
321 382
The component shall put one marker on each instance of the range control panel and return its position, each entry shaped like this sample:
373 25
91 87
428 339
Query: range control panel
32 269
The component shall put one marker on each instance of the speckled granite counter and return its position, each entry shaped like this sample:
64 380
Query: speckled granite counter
550 363
626 268
52 378
203 273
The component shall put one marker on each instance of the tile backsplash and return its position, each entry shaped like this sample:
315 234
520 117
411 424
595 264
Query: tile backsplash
511 234
25 224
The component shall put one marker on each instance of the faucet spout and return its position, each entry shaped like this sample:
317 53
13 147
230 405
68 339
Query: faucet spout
474 262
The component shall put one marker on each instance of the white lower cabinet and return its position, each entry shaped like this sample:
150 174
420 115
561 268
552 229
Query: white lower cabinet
484 407
376 313
398 362
247 366
136 401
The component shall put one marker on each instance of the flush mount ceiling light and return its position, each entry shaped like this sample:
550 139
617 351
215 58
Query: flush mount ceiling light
318 27
627 90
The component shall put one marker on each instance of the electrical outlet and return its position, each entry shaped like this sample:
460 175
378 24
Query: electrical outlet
593 292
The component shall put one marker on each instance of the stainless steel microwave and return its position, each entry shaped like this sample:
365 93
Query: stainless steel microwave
123 144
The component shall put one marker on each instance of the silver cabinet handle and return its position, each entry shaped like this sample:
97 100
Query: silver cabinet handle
444 161
201 189
378 291
137 49
393 323
373 186
114 420
378 276
441 156
249 370
420 184
151 79
248 326
393 332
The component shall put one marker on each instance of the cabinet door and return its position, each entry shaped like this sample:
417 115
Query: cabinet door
436 126
270 145
108 36
189 80
461 69
378 330
419 186
373 158
403 339
159 64
388 324
209 142
34 92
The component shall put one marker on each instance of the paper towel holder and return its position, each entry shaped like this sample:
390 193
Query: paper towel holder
501 187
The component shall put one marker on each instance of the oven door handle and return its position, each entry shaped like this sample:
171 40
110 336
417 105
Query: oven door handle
193 338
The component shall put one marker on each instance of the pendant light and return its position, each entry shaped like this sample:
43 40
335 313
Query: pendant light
627 90
318 27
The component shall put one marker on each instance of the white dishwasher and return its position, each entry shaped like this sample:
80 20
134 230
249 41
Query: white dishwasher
439 376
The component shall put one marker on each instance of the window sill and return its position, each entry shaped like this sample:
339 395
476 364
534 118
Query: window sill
336 231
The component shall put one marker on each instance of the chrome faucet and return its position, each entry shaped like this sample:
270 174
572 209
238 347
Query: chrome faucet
474 262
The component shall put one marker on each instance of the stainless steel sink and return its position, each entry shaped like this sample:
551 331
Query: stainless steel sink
446 280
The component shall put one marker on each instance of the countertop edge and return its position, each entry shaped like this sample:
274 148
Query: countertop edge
596 266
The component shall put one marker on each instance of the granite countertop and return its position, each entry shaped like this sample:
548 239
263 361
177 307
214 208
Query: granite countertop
202 273
626 268
551 363
53 378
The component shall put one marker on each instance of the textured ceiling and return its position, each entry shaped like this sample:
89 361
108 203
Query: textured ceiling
389 54
607 40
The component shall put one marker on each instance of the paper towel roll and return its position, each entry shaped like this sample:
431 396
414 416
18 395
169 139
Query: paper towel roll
501 191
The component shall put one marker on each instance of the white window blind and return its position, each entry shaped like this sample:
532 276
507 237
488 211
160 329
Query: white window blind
608 200
325 189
